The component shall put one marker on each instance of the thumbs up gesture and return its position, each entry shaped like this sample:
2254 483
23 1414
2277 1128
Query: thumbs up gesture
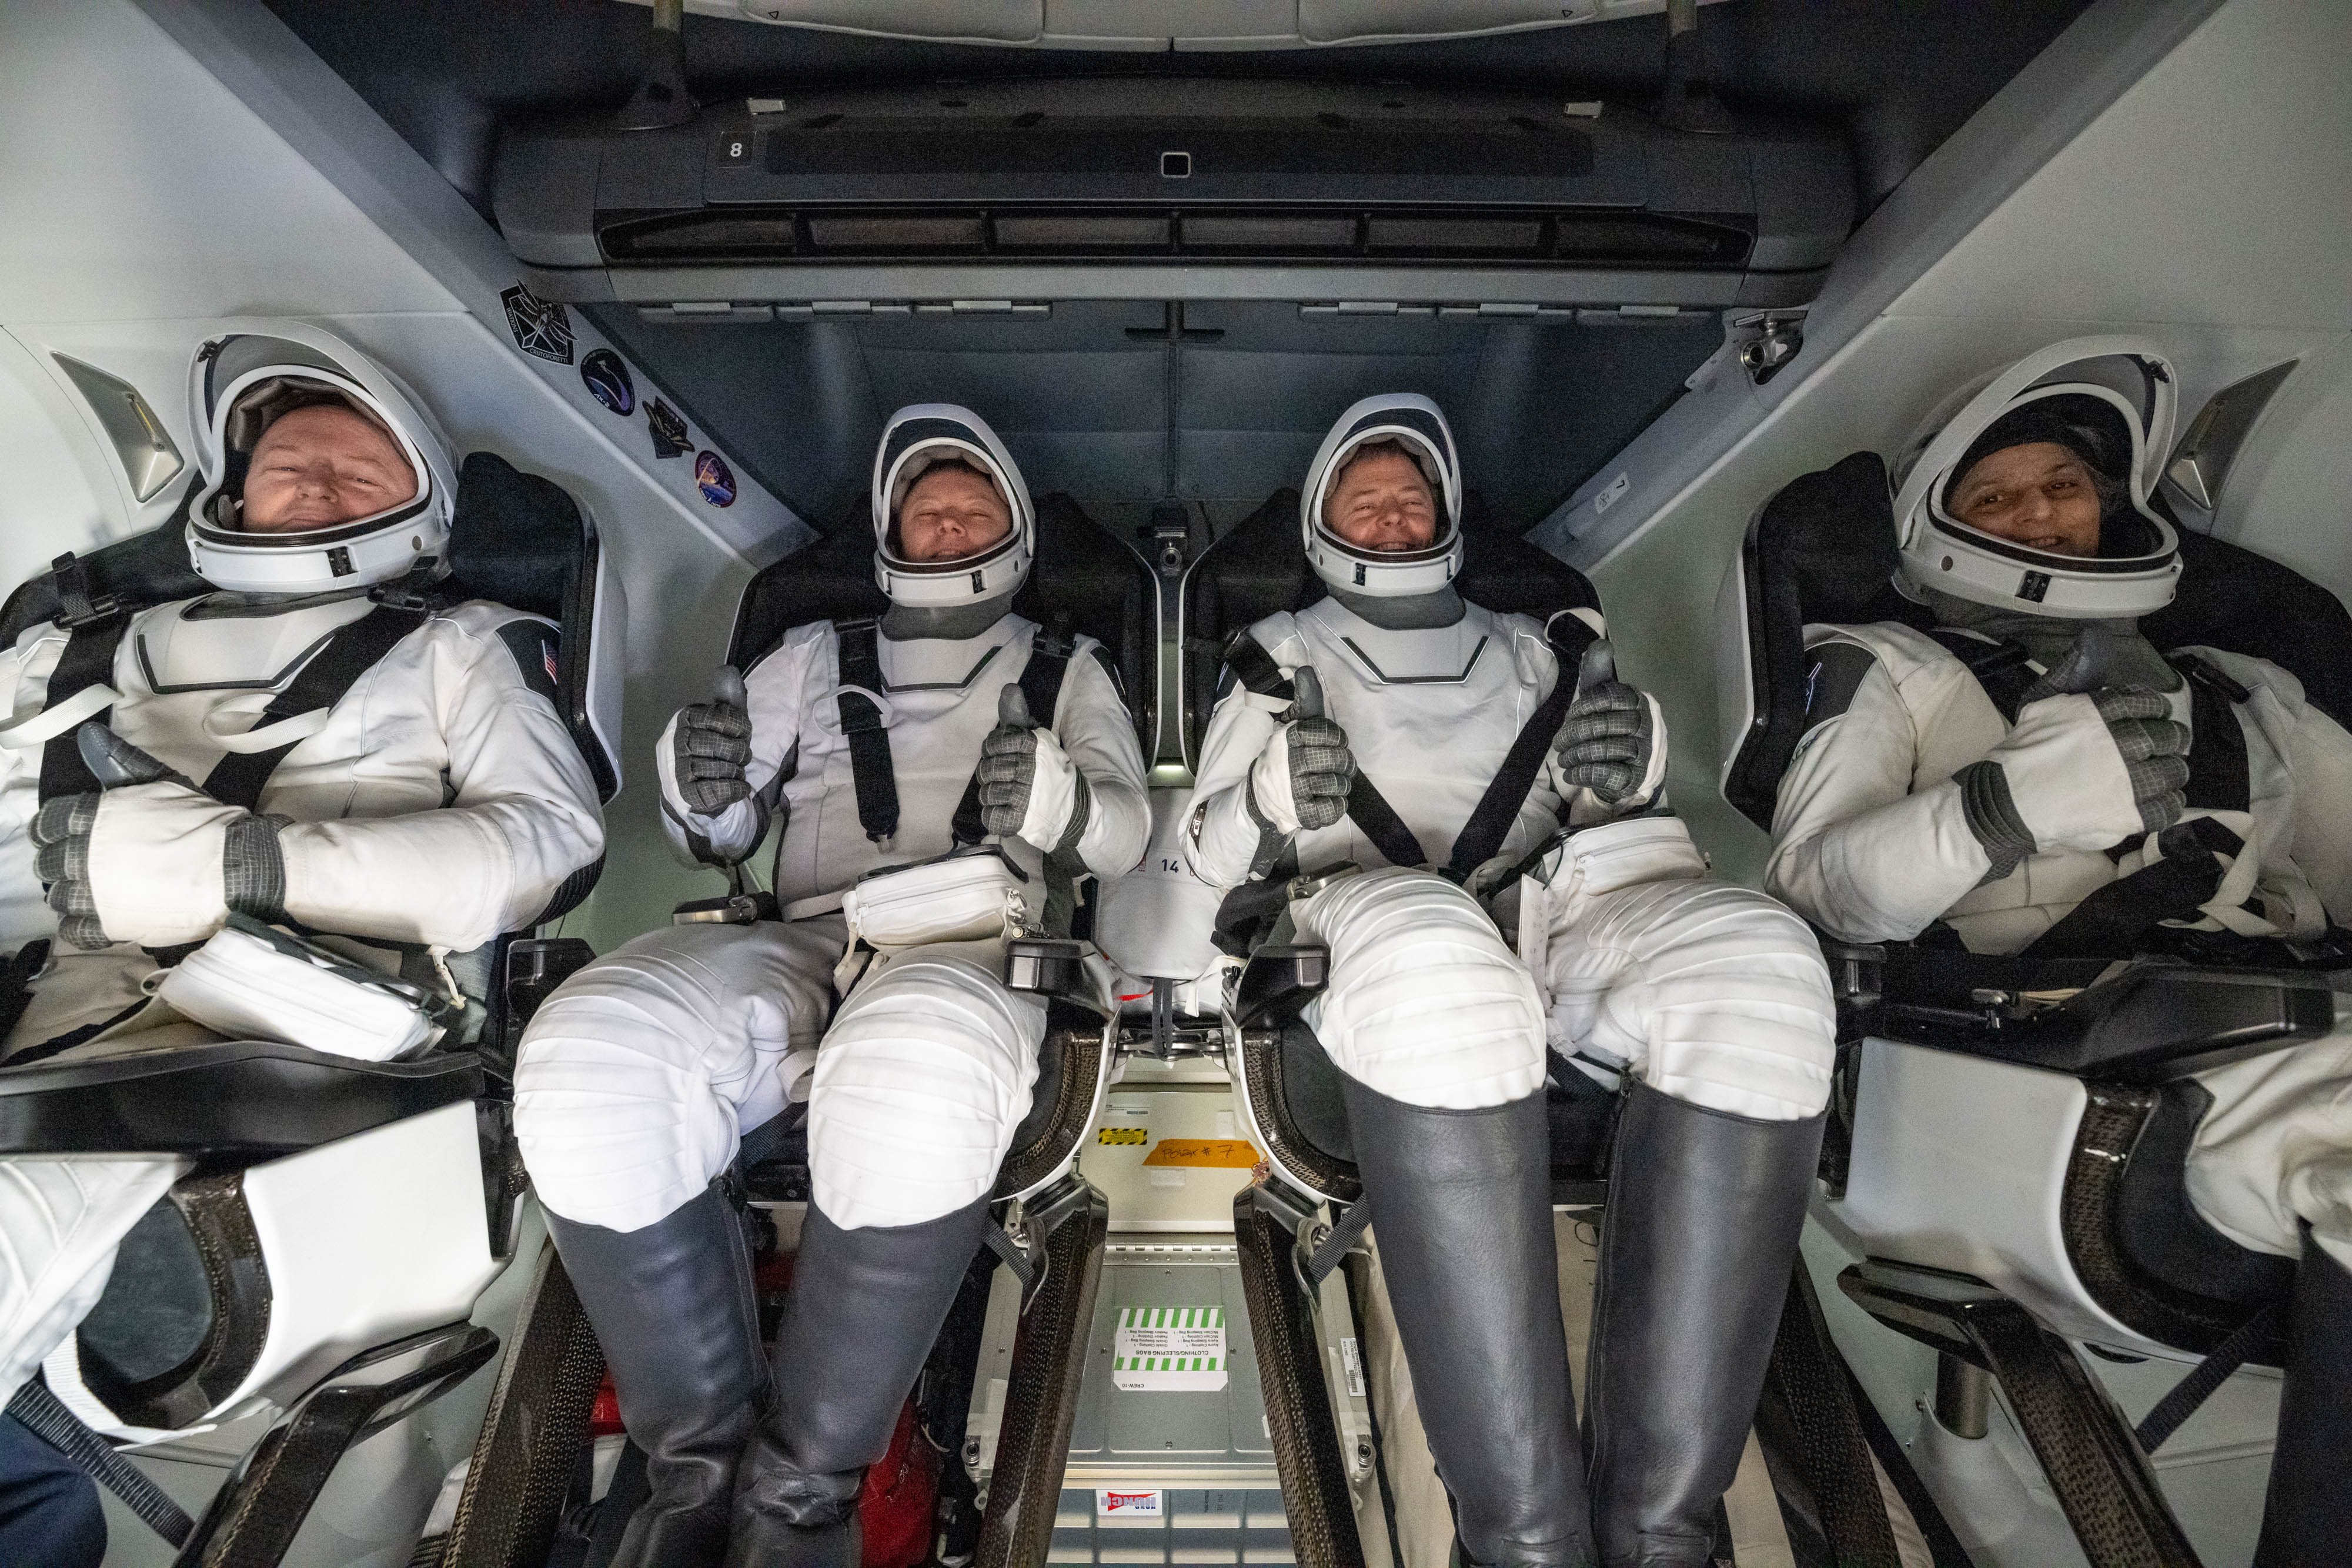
1029 788
1612 743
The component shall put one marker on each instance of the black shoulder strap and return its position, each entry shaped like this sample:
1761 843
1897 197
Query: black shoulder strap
860 659
2218 775
1254 668
2106 924
2003 669
88 661
237 779
1041 688
1482 836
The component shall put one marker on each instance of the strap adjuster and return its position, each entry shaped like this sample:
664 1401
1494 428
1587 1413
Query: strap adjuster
76 606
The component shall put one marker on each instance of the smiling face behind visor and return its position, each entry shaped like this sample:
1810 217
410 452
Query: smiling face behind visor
1380 514
2030 491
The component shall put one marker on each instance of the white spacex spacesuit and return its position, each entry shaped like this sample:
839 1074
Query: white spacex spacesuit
1711 1000
639 1077
389 772
1886 820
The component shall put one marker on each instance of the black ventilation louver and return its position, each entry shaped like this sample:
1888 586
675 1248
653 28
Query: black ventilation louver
1166 187
1567 237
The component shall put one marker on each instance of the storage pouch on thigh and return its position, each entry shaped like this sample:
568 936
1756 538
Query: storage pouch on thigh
252 981
967 895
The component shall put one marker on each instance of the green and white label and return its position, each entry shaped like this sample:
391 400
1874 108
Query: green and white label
1178 1348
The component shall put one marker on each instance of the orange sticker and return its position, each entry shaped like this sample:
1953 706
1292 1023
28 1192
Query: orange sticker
1229 1153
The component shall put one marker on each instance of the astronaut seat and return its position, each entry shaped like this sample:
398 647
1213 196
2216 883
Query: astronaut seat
1047 1223
339 1217
2008 1135
1289 1085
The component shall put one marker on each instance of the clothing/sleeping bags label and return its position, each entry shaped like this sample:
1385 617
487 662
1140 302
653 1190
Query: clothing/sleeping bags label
1130 1504
1170 1348
1229 1154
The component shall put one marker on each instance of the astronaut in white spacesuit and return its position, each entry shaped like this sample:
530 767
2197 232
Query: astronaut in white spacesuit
325 739
2008 774
881 744
1709 1002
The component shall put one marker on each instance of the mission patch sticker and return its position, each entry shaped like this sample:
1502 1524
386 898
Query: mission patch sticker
540 327
667 427
609 382
715 479
1168 1348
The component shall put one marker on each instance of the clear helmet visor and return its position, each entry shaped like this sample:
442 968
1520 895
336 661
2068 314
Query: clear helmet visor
920 440
241 386
2030 489
1413 427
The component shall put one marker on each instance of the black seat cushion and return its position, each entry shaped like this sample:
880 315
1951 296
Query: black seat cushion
1084 580
235 1101
1258 566
1822 551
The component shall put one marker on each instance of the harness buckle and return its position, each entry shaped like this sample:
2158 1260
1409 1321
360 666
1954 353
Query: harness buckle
76 606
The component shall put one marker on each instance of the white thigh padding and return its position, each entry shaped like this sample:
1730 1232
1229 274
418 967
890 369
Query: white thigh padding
1713 994
920 1084
638 1076
2276 1149
1426 1004
60 1221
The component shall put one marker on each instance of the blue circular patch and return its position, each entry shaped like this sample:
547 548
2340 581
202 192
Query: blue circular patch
608 381
717 481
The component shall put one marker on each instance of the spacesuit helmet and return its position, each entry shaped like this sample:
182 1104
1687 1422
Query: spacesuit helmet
918 438
244 381
2110 400
1413 423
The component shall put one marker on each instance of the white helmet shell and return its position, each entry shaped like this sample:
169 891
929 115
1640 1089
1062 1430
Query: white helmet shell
917 436
232 385
1415 422
2139 563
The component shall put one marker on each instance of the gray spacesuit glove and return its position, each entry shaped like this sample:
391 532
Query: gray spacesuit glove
253 864
1606 742
711 748
2039 790
1613 743
1012 764
61 859
1302 779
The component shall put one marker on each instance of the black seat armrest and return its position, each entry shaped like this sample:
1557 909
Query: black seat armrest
236 1101
2155 1022
1278 983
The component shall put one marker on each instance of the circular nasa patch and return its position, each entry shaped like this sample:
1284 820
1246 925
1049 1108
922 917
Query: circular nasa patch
608 381
715 478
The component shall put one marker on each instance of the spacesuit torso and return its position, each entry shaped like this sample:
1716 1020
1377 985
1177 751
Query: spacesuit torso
1430 713
1916 716
440 803
941 703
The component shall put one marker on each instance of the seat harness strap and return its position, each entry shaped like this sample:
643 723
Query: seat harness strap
1041 688
1254 668
861 725
1481 839
88 661
2207 1375
1491 819
47 1417
238 778
2109 923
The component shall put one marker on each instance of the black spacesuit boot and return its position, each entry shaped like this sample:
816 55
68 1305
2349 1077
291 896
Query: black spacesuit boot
1462 1208
1696 1243
866 1306
673 1307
